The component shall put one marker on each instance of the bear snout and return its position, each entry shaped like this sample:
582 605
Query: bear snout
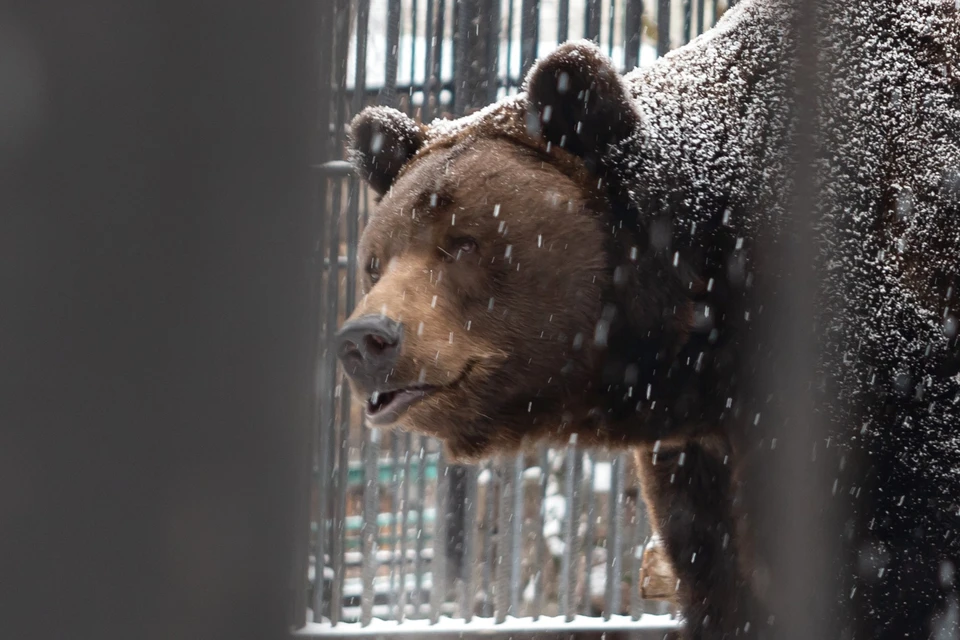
368 348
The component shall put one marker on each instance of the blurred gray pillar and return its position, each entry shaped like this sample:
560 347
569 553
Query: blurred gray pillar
159 315
798 520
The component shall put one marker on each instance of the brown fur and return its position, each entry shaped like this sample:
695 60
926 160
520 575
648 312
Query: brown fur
489 361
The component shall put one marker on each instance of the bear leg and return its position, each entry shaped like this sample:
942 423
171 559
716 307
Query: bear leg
688 491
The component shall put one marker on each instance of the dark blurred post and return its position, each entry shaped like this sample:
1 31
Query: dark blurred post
797 519
159 315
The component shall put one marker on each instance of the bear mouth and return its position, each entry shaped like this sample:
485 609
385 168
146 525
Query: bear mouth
386 407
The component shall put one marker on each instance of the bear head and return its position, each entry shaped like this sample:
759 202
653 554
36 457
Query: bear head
509 293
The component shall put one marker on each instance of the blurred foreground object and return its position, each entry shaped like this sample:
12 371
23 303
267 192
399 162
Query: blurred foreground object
159 320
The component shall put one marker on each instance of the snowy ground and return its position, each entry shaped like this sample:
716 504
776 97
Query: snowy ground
655 625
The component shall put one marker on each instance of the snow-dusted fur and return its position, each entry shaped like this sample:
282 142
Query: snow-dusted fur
711 155
712 141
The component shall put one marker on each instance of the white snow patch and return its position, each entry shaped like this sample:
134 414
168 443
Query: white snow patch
446 625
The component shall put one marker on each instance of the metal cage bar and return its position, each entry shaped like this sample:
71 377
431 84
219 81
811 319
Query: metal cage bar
502 560
664 9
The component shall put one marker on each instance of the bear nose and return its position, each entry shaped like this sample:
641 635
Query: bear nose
368 347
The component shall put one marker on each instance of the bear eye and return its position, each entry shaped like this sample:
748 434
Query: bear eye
458 248
373 270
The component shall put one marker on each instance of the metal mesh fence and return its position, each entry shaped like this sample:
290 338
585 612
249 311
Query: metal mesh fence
403 541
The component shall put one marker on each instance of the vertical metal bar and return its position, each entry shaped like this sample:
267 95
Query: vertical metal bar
590 514
591 20
467 568
342 46
337 459
687 20
663 27
632 33
438 53
456 23
323 433
493 49
569 531
413 56
426 114
610 542
438 564
341 38
701 11
388 94
509 79
529 34
611 19
516 532
614 539
323 446
716 10
353 220
563 21
404 526
371 530
503 540
576 506
340 514
396 559
540 584
456 522
360 83
365 199
638 546
488 526
467 13
421 508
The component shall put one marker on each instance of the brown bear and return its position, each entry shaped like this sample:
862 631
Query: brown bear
587 257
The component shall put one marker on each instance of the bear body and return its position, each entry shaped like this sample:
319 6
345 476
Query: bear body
592 256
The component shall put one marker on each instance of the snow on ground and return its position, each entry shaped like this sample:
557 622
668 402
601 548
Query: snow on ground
447 626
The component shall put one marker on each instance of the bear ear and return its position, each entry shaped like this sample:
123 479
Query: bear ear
578 101
382 140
